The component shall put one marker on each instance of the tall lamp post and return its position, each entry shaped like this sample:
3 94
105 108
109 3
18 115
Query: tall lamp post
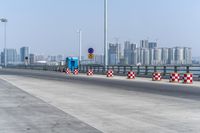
80 45
4 20
105 35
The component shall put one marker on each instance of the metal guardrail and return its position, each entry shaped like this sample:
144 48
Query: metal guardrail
39 67
142 71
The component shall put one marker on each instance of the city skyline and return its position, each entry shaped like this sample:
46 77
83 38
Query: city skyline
171 23
146 53
18 56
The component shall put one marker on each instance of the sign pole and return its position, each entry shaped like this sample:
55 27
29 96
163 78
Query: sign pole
105 35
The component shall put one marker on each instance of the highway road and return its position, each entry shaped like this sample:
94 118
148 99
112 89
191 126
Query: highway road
111 105
190 92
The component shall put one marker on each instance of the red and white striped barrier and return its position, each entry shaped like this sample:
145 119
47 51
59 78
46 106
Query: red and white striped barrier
174 77
156 76
90 72
76 71
131 75
188 78
67 71
110 73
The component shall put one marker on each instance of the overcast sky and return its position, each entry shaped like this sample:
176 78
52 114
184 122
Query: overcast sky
50 26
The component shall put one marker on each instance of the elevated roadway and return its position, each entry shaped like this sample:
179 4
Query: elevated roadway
111 105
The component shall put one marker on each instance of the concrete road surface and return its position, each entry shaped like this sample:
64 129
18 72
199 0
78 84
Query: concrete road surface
21 112
110 106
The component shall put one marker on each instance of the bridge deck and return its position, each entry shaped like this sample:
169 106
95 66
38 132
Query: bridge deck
115 105
21 112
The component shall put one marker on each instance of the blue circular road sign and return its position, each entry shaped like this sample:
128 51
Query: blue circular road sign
91 50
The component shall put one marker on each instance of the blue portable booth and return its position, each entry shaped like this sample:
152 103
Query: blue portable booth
72 63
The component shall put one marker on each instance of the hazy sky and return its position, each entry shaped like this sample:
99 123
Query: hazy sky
50 26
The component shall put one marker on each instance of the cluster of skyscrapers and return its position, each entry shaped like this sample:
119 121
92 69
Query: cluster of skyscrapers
148 53
24 56
12 57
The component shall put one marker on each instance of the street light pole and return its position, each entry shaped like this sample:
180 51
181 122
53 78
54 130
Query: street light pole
105 35
80 45
4 20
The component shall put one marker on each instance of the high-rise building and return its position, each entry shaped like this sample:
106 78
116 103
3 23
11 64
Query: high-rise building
144 44
146 57
135 57
24 52
99 59
40 58
151 56
157 56
138 56
141 57
129 45
114 54
60 57
152 45
165 56
179 55
11 56
2 58
32 58
187 55
128 52
52 58
122 61
171 55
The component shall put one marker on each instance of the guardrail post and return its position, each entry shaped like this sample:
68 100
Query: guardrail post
188 69
80 67
164 70
118 67
83 67
93 68
86 68
146 70
108 67
124 69
155 68
175 69
45 68
138 70
131 68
